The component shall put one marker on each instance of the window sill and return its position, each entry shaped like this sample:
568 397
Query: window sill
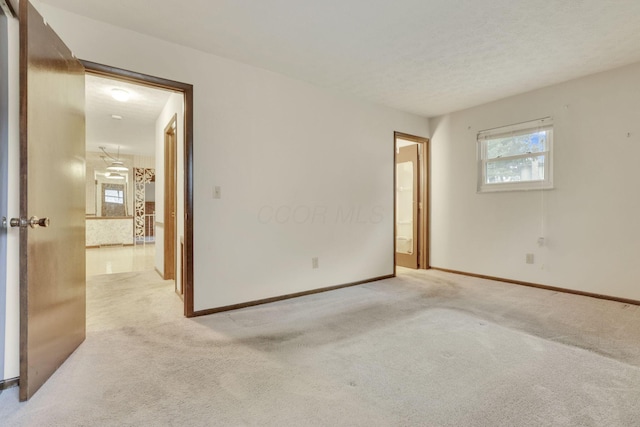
499 188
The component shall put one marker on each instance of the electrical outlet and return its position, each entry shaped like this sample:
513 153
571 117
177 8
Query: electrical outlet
314 262
529 259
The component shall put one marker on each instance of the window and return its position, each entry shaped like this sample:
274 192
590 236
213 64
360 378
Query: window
113 200
516 157
114 196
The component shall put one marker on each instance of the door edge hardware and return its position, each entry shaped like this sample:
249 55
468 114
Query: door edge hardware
33 222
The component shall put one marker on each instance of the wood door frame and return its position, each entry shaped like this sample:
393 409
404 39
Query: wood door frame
423 199
170 205
187 91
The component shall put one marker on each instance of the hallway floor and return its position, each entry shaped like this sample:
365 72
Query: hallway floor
120 259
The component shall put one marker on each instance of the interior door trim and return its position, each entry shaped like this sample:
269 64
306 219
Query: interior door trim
423 196
187 90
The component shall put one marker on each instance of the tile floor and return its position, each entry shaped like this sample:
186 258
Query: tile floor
120 259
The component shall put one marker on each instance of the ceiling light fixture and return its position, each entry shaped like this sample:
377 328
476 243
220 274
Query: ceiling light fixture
116 117
120 95
114 175
116 165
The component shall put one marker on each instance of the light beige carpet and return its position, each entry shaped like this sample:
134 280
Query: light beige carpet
426 348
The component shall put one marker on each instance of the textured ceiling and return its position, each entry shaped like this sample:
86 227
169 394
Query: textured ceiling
135 132
423 56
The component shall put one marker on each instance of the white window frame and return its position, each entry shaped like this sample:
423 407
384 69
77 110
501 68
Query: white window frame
117 199
532 126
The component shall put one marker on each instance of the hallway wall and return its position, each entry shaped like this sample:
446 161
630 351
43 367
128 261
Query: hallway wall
304 172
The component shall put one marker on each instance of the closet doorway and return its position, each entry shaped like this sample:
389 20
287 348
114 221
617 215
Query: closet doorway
411 225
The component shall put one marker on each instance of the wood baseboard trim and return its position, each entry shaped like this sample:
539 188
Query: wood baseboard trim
285 297
11 382
159 274
92 247
539 286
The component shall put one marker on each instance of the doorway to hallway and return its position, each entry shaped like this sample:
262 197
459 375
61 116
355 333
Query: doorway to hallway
148 218
123 133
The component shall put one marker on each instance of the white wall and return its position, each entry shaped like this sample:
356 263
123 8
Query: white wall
591 220
174 106
270 142
12 312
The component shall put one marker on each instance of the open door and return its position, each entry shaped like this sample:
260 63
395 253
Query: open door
52 186
170 220
407 220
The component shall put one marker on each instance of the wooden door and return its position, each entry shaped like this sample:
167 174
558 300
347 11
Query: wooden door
170 185
407 179
52 185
